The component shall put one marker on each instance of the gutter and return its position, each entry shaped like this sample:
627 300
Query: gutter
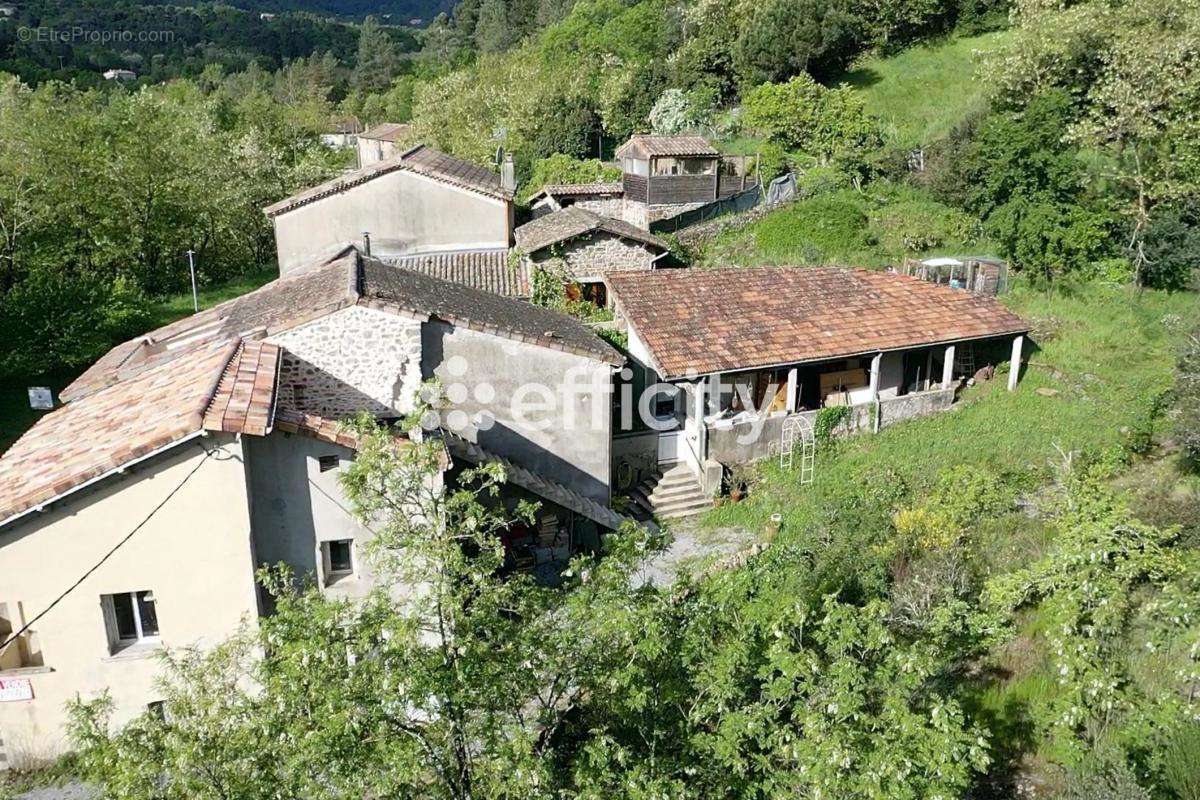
103 476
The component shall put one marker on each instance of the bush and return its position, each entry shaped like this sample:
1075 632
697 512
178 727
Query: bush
55 319
824 228
829 125
560 168
1172 247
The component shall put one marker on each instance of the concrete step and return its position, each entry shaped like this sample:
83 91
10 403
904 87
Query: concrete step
673 494
662 494
684 509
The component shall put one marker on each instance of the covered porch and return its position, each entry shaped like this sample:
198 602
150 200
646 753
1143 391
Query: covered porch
727 418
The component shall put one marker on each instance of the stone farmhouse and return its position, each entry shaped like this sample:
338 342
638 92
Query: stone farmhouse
185 459
188 457
587 246
661 177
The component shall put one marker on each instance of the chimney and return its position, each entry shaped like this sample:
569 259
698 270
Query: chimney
366 243
508 173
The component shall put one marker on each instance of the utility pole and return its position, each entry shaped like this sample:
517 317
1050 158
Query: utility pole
191 254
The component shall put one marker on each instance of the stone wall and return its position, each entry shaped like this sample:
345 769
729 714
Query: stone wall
590 257
356 359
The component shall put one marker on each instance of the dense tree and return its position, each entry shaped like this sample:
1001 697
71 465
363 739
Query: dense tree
377 62
782 38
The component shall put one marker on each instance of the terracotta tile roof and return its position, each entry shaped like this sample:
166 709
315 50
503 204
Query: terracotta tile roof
387 131
421 160
644 146
290 420
212 371
391 287
568 223
299 296
245 396
110 428
579 190
488 270
721 320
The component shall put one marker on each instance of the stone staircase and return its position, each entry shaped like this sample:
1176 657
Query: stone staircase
672 494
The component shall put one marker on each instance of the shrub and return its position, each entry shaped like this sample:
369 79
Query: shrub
821 229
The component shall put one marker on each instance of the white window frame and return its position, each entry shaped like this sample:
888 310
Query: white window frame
116 643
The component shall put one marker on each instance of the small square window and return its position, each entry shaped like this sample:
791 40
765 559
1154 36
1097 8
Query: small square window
339 559
131 617
327 463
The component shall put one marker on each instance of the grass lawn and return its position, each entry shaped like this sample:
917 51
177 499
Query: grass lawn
923 92
16 416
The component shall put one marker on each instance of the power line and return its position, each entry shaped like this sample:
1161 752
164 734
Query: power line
109 554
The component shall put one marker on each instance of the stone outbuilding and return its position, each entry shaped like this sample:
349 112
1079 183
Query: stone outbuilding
589 245
383 141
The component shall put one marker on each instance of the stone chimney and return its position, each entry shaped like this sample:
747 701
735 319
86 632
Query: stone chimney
508 173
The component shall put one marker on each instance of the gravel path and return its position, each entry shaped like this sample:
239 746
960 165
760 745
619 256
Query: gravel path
67 791
693 548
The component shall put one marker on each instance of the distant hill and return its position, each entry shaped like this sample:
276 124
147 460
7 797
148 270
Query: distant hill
160 41
398 12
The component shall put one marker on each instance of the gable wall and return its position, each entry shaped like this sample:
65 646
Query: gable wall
356 359
587 258
404 213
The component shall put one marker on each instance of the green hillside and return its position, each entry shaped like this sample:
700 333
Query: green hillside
923 92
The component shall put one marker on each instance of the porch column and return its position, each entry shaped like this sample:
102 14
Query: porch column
948 368
876 364
793 389
714 392
1014 368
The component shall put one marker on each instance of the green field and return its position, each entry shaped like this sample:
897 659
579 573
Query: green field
923 92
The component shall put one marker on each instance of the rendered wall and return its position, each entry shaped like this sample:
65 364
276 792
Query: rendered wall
404 213
566 430
296 506
194 554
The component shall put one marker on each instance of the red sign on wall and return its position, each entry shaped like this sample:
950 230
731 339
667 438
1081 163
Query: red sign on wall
14 689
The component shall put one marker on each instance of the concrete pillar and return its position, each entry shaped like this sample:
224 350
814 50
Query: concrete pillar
714 393
876 363
948 368
1014 368
793 390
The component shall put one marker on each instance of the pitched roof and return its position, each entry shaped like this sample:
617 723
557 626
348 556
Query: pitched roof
579 190
392 287
387 131
645 145
212 371
706 321
421 160
225 385
488 270
573 221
